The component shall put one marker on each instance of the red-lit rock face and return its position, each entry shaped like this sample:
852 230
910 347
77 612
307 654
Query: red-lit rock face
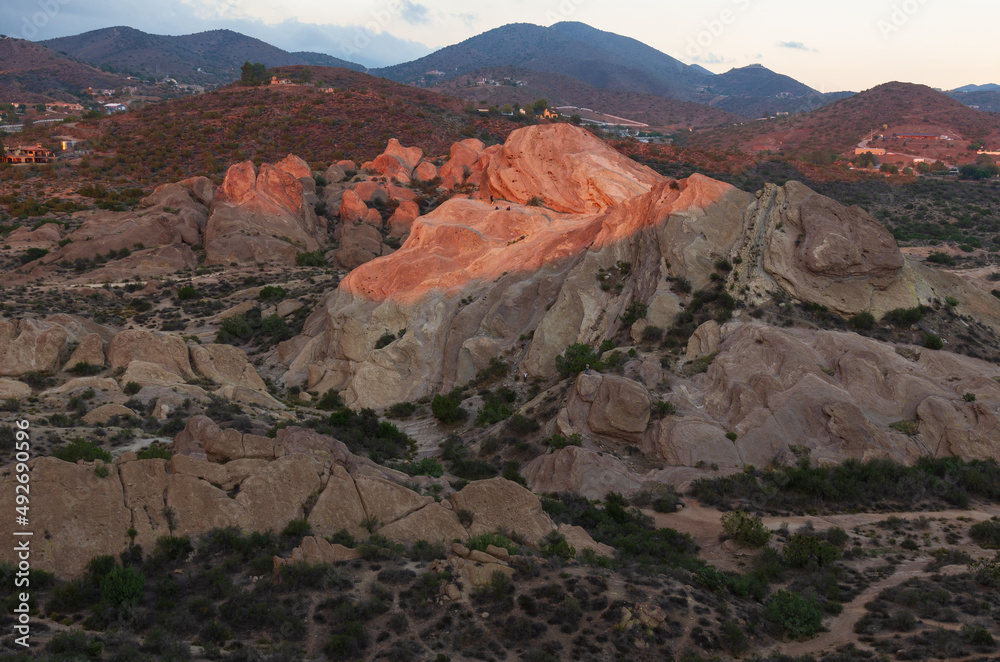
261 216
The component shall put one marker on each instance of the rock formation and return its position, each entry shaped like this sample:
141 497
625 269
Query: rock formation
263 216
85 514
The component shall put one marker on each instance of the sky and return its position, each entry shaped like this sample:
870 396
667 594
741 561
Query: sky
830 45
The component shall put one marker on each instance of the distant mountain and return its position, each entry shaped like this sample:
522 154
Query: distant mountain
840 126
598 58
213 57
755 90
989 87
524 86
324 60
980 97
31 73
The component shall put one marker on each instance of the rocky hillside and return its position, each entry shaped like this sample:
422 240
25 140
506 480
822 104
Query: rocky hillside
317 406
30 73
205 58
886 109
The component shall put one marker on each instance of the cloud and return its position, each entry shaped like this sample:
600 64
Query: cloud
711 58
415 13
796 45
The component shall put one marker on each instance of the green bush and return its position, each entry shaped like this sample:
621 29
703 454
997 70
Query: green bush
385 340
132 388
272 293
931 341
557 441
904 317
939 257
746 529
331 400
185 292
986 533
311 259
483 540
803 550
122 585
862 321
576 358
401 410
448 409
427 466
234 329
81 449
82 368
154 451
795 615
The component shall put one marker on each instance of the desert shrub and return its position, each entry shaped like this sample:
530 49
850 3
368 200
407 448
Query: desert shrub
82 368
862 321
986 533
185 292
234 329
401 410
939 257
497 369
448 409
385 340
664 408
557 441
131 388
81 449
154 451
633 313
746 529
904 317
311 259
652 334
496 406
795 615
123 584
518 424
931 341
576 358
331 400
272 293
483 540
803 550
427 466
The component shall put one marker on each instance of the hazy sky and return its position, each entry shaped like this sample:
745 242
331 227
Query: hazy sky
832 45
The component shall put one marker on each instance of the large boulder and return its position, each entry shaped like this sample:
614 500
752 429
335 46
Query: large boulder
262 216
500 504
164 351
565 168
30 345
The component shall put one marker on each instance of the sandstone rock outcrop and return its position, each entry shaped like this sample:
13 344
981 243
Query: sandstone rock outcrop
297 474
262 216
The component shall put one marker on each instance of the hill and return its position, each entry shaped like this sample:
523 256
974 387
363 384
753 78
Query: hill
756 91
598 58
212 57
206 133
524 86
31 73
891 108
983 99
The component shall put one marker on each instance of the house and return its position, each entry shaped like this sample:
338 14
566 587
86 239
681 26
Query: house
876 151
115 108
33 154
549 115
280 81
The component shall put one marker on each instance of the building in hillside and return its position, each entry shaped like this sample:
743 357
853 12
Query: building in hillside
280 81
550 114
33 154
876 151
